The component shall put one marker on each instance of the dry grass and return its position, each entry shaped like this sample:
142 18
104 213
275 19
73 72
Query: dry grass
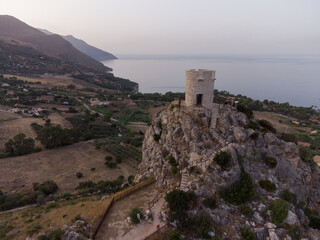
8 129
7 115
57 119
55 218
59 165
10 126
52 81
284 126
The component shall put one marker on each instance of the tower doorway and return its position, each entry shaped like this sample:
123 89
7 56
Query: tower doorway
199 99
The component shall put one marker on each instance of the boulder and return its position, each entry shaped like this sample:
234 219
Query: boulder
240 134
292 219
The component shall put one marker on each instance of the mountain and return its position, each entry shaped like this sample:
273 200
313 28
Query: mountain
85 48
14 30
89 50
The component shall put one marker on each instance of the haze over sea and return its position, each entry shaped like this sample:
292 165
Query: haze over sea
289 78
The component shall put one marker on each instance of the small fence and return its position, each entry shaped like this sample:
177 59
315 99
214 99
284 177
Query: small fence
162 193
116 197
158 232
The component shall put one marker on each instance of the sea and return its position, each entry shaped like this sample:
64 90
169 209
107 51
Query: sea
280 78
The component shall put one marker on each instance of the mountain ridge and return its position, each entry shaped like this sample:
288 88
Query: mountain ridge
12 29
84 47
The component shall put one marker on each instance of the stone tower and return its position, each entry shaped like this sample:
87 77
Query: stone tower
199 88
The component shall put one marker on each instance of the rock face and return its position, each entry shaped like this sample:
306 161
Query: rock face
186 136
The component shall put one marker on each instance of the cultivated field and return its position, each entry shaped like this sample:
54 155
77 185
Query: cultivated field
284 126
59 165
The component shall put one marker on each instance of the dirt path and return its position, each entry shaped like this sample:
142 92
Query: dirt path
116 227
144 229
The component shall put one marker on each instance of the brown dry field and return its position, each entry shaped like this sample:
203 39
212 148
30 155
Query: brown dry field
52 81
285 127
7 115
60 165
10 128
57 106
56 218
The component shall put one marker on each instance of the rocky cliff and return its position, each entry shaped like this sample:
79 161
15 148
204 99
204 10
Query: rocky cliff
182 146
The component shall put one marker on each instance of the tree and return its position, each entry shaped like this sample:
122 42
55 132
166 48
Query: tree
53 137
20 145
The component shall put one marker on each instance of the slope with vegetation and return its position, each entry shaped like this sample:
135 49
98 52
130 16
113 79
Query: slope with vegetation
238 180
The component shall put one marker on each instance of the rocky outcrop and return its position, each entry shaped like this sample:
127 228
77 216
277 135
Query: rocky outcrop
185 136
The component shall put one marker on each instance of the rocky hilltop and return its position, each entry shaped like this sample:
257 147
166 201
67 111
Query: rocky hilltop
211 153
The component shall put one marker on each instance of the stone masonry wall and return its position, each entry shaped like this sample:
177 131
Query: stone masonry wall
200 82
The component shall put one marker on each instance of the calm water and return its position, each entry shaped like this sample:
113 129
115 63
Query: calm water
293 79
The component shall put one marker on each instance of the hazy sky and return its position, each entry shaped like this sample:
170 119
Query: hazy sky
179 26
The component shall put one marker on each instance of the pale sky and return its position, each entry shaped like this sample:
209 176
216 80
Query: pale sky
179 26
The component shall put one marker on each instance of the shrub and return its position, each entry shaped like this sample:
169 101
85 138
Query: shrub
246 234
267 126
61 195
246 210
4 229
175 235
178 202
215 238
79 174
253 125
56 234
289 137
294 232
222 159
306 155
33 229
203 225
279 211
210 202
174 170
44 237
239 192
110 164
270 162
172 161
52 205
77 218
254 135
156 137
108 158
133 215
48 187
244 109
118 159
92 169
130 179
267 185
314 221
289 196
